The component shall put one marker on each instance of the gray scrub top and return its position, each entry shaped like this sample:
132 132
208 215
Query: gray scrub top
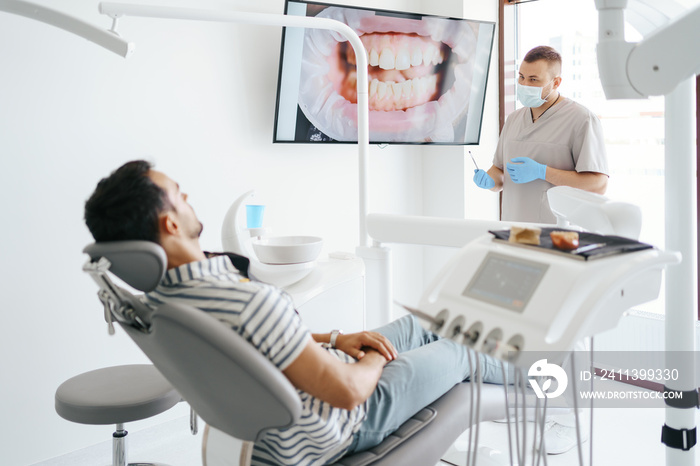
568 137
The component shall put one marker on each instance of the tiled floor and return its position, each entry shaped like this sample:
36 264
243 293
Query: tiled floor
621 437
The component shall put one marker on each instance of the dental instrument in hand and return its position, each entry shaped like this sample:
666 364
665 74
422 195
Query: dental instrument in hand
481 178
470 155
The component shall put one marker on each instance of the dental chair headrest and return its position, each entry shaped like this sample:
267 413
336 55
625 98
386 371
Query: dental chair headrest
141 264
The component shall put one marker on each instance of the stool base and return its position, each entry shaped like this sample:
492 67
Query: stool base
119 449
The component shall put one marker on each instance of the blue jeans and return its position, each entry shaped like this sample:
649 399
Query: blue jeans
427 367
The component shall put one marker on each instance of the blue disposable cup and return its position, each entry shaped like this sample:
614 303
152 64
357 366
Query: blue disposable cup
254 215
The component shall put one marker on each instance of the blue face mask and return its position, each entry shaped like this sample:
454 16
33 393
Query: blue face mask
531 96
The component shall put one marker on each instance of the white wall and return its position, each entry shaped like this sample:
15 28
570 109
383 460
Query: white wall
448 171
198 100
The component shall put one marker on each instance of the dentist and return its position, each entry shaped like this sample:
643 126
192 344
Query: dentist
551 141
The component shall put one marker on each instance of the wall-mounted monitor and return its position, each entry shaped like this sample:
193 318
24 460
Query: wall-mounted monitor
427 77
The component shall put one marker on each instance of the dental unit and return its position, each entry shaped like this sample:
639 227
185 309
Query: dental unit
530 306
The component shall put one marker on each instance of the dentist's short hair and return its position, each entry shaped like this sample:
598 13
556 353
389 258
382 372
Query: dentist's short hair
549 55
126 205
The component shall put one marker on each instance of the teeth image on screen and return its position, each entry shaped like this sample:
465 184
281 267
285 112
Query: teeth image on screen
420 75
405 70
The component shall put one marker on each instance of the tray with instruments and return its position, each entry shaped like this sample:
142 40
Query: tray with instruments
591 245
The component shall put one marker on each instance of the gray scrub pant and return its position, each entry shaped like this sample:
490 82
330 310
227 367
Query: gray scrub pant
427 367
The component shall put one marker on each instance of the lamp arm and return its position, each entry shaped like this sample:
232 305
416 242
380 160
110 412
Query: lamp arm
103 37
653 66
662 60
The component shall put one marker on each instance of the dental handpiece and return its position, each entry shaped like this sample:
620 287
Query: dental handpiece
422 315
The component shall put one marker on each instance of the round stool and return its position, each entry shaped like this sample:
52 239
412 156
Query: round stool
115 395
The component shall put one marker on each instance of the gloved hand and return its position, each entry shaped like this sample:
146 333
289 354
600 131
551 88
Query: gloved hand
524 170
483 180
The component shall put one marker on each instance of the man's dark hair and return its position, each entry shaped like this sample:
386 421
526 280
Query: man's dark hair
126 205
548 54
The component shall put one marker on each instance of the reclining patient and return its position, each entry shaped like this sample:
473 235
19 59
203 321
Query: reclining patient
354 392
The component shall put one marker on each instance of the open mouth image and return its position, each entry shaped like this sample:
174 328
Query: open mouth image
405 70
420 76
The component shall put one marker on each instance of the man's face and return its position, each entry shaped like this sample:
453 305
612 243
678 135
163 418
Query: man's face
184 212
535 74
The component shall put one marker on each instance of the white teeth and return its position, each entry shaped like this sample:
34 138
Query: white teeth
438 57
407 90
428 56
387 61
417 57
373 58
397 89
420 85
403 60
373 86
381 89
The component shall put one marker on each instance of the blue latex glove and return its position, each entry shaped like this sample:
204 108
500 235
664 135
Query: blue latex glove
525 170
483 180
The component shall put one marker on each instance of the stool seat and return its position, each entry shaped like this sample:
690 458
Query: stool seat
115 395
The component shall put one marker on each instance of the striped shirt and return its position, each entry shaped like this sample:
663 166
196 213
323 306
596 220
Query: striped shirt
265 317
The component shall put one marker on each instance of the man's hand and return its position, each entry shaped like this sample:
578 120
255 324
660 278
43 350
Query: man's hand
344 385
524 170
483 180
353 344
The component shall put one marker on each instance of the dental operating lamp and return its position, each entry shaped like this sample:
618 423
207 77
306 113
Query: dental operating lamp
665 63
105 38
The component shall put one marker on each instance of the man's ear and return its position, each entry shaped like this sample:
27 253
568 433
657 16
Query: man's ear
168 224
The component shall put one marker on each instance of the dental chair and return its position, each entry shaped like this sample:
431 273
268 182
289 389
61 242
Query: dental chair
235 389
